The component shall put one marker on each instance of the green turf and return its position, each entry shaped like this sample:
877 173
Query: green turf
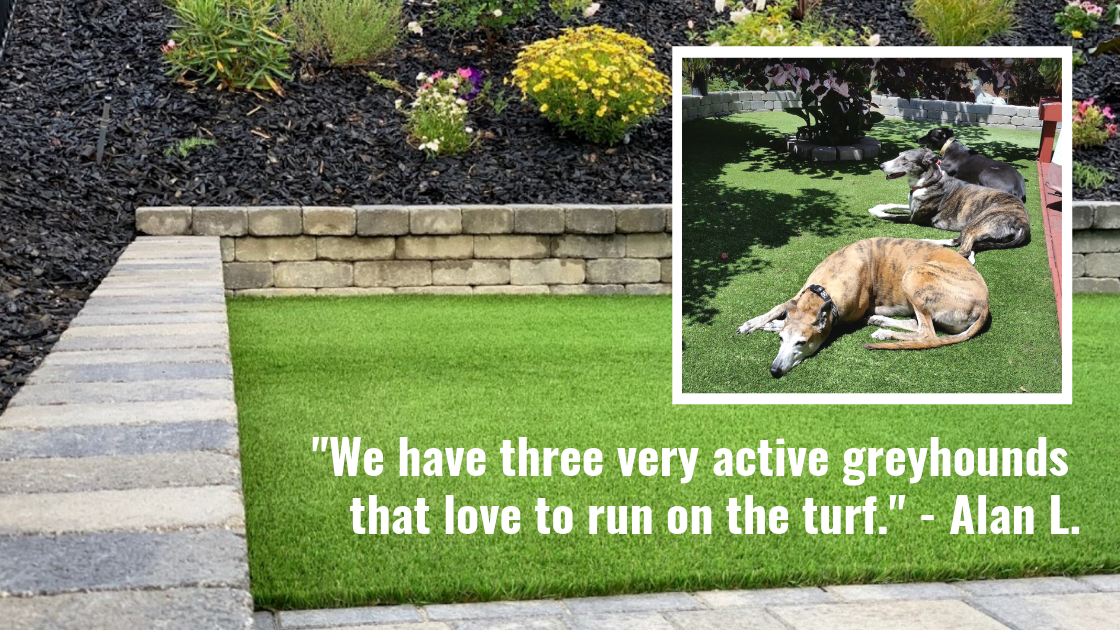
778 217
589 372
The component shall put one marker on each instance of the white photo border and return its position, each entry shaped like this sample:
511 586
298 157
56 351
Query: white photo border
1065 397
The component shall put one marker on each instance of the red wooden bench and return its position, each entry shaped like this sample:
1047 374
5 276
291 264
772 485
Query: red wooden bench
1050 112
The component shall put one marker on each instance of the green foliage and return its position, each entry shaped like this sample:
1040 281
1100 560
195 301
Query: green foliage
775 26
1030 84
1089 177
569 10
184 147
835 97
346 32
437 120
1074 18
964 22
595 81
1091 124
388 84
488 15
1051 71
498 98
238 44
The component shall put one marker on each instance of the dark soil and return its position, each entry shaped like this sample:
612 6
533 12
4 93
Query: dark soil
893 23
1106 158
335 139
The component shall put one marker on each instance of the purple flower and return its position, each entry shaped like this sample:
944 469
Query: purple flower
474 76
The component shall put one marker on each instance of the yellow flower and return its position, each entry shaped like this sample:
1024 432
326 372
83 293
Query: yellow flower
544 108
613 94
1076 34
602 111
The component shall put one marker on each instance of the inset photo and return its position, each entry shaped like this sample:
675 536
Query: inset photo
851 225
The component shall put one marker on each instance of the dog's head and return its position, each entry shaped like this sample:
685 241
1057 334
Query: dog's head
912 164
808 323
936 138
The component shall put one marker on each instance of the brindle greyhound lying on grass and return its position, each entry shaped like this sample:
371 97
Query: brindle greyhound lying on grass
876 278
986 218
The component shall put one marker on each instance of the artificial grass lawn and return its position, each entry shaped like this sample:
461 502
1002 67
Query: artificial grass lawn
778 217
595 372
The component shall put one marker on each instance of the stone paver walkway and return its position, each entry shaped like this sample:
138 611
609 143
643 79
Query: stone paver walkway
1058 603
120 484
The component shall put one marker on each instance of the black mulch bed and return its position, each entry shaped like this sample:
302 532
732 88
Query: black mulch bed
336 139
1106 158
893 23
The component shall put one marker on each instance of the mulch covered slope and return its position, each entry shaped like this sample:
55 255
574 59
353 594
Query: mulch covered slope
336 139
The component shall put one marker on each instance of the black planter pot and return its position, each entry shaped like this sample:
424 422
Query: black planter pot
7 7
699 82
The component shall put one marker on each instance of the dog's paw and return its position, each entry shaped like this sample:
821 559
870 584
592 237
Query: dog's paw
747 328
882 334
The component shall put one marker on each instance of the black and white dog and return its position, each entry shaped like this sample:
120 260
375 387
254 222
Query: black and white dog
986 218
967 165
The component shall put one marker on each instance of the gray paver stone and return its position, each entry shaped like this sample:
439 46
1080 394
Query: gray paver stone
765 597
242 275
1096 285
313 275
275 221
730 619
534 608
877 592
129 372
34 565
108 440
137 391
657 602
1078 265
895 615
1103 583
382 220
329 221
98 414
161 221
219 221
298 619
640 219
142 343
625 621
435 220
275 249
589 219
1106 215
1025 586
264 621
487 220
1082 216
1087 611
157 470
176 609
538 220
524 623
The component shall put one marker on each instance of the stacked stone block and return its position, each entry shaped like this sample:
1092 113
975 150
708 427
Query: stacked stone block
717 104
1096 247
373 250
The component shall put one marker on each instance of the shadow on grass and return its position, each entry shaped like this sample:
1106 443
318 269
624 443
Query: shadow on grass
974 137
723 215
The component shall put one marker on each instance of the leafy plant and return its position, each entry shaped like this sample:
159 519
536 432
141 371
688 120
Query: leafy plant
595 81
388 84
1051 71
696 70
1089 177
491 16
775 26
346 32
1079 18
437 119
238 44
1030 84
835 97
569 10
1091 126
184 147
498 98
964 22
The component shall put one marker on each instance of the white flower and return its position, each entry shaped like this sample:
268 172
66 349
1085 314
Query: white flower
592 9
454 82
740 15
421 76
398 103
497 13
721 5
460 102
873 40
416 28
469 130
691 25
817 42
715 43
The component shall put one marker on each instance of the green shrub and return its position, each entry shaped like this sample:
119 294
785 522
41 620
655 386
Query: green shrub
774 26
1089 177
437 120
346 32
239 44
488 15
184 147
964 22
569 10
595 81
1092 125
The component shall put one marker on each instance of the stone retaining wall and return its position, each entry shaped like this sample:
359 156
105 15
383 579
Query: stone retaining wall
947 112
1096 247
373 250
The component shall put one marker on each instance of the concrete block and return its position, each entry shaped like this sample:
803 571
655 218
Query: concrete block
1103 583
1096 285
1084 611
275 221
121 510
338 617
354 291
150 470
519 610
1078 265
589 219
998 119
273 292
895 615
393 273
621 621
1106 215
173 220
39 394
512 246
470 272
764 597
1018 121
588 246
173 609
275 249
546 271
649 602
381 220
538 220
1025 586
649 245
629 219
511 290
249 275
329 221
228 248
487 220
877 592
312 275
154 414
1092 241
434 290
1004 110
435 220
355 247
850 153
218 221
434 247
1102 265
623 271
649 289
824 154
744 619
587 289
667 270
67 441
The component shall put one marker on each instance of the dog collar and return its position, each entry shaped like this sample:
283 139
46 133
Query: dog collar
822 294
913 188
946 145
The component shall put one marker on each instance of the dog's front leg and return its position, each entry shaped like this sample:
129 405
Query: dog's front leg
761 321
880 211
